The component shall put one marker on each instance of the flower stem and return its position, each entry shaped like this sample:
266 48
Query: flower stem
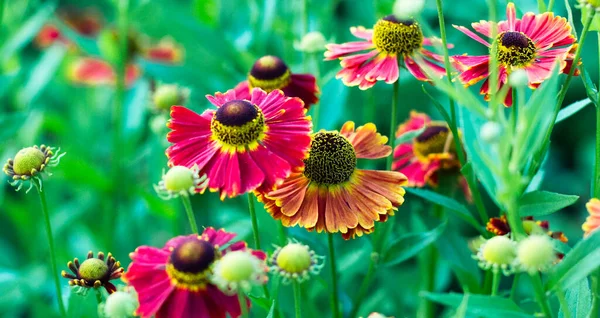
297 304
254 221
515 284
542 6
596 176
282 234
428 261
42 195
540 295
560 294
243 306
550 5
362 291
98 296
334 285
392 135
496 283
190 213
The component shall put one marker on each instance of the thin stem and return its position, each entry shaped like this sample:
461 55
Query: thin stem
515 286
187 204
297 303
540 295
243 306
487 282
282 234
542 6
42 195
453 124
496 283
98 296
252 211
514 220
395 89
362 291
429 263
317 107
596 177
334 285
305 22
550 5
560 294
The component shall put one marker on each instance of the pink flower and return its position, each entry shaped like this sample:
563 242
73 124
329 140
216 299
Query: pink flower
534 43
376 57
243 145
172 281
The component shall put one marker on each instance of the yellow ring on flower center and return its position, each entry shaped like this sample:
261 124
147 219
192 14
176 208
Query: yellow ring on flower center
238 123
514 49
269 73
331 159
394 36
436 139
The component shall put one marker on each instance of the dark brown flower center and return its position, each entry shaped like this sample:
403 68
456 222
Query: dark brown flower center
331 159
238 123
435 139
514 49
395 36
269 73
193 256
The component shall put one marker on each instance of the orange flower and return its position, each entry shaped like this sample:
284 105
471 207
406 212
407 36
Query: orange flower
330 194
593 221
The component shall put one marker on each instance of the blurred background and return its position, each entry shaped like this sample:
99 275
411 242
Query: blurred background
42 102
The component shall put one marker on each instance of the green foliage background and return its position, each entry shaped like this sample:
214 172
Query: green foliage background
222 38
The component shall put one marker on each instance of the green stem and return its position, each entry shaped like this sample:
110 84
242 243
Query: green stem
316 107
429 263
305 21
282 234
542 6
395 89
334 284
243 306
254 221
362 291
514 220
596 293
596 177
98 296
540 295
550 5
487 282
190 213
477 200
496 283
560 294
42 195
515 284
297 304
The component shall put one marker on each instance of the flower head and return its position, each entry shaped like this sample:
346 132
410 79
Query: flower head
86 22
535 253
244 144
167 95
330 194
312 42
176 278
29 163
497 253
500 226
375 58
295 262
593 220
180 180
270 73
239 270
95 72
534 43
94 272
120 304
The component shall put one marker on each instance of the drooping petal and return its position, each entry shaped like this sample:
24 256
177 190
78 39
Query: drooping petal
367 142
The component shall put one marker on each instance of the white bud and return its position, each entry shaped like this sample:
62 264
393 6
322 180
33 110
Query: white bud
490 131
518 78
312 42
404 9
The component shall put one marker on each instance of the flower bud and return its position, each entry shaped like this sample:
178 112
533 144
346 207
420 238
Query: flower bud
404 9
180 180
535 253
490 132
29 163
311 42
120 304
168 95
518 78
296 262
239 270
497 253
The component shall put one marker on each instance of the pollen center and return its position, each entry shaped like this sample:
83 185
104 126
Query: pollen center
434 140
331 159
28 159
93 269
394 36
514 49
190 262
269 73
238 123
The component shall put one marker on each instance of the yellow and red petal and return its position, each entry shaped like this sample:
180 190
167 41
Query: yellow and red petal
165 51
367 142
48 35
94 72
498 226
593 220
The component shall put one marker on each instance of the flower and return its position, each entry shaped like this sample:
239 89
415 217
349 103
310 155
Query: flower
295 262
376 57
95 72
94 272
243 145
534 43
180 180
29 163
175 279
497 253
500 226
85 22
312 42
428 154
167 95
120 304
593 220
330 194
239 270
270 73
535 253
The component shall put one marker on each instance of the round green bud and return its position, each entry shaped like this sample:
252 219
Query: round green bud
28 159
404 9
499 250
294 258
166 96
490 132
312 42
179 178
536 253
120 304
237 266
93 269
518 78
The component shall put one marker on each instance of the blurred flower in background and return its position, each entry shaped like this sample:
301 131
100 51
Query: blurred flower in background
86 22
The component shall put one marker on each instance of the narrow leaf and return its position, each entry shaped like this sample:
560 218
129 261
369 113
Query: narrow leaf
538 203
447 202
572 109
590 88
411 244
583 259
579 299
479 305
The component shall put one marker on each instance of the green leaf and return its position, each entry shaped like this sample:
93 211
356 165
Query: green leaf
538 203
409 245
590 87
447 202
454 249
583 259
26 32
579 299
271 313
479 305
571 110
261 302
408 136
42 73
